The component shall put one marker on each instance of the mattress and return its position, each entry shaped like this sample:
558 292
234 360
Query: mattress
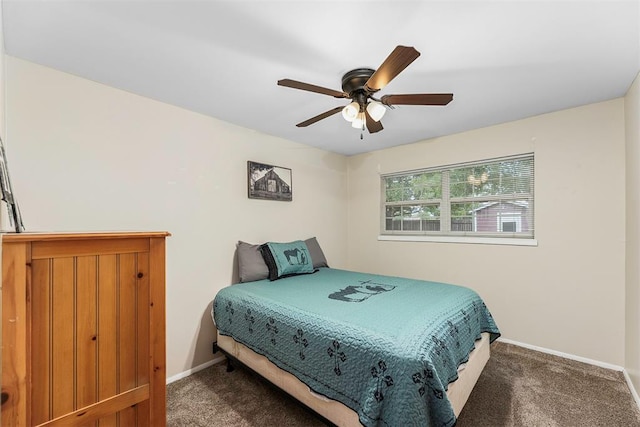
385 347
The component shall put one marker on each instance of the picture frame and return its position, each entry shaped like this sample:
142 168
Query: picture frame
269 182
7 195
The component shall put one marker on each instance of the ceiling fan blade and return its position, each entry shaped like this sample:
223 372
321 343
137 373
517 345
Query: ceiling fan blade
418 99
397 61
372 125
319 117
311 88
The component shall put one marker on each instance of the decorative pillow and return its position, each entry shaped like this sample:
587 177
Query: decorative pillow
251 265
317 256
287 259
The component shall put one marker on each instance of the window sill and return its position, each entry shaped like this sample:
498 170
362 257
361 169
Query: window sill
461 239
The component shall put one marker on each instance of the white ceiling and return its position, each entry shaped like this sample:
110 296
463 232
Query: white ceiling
502 60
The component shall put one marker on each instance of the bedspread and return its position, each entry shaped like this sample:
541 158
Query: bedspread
387 347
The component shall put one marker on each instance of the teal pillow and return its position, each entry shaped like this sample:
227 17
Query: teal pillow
287 259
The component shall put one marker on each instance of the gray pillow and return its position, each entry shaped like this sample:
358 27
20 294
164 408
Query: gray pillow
317 256
251 265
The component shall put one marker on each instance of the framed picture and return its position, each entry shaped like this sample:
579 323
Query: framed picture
15 218
269 182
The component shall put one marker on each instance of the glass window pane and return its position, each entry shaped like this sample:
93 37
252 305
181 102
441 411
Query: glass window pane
492 217
462 216
424 186
413 218
394 194
497 178
393 217
393 211
393 224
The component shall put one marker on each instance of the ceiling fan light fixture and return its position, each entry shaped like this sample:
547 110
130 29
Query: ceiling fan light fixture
350 112
358 122
376 110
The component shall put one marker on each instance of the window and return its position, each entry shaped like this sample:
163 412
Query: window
491 198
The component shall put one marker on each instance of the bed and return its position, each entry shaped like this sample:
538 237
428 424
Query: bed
360 349
334 411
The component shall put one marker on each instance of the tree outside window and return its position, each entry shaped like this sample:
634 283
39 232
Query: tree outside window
488 198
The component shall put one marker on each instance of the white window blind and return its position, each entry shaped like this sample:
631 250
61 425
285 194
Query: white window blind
489 198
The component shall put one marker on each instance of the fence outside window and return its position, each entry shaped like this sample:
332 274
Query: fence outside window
489 198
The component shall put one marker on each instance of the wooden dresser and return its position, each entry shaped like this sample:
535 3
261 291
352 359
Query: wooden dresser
83 329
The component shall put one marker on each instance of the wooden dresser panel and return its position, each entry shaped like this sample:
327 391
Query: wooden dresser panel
83 329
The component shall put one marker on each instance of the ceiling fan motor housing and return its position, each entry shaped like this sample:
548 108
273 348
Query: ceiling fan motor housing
354 80
353 83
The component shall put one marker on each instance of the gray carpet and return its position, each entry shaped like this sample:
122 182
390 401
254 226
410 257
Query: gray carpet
519 387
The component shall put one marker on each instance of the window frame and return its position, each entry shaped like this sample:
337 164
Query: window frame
445 202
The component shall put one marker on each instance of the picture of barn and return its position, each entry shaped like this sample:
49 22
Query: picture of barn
269 182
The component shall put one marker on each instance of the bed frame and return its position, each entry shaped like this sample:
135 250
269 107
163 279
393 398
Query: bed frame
334 411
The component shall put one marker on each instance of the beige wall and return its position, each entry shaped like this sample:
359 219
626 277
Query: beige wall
2 80
632 126
566 294
89 157
4 216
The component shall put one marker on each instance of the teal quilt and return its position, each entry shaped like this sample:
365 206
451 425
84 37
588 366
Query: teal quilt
386 347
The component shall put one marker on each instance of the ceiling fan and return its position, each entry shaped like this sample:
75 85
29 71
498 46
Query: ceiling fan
361 84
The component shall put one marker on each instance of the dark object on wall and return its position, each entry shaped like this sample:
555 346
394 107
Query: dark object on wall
269 182
7 193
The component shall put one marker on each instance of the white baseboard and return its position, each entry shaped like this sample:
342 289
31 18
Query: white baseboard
191 371
633 390
564 355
